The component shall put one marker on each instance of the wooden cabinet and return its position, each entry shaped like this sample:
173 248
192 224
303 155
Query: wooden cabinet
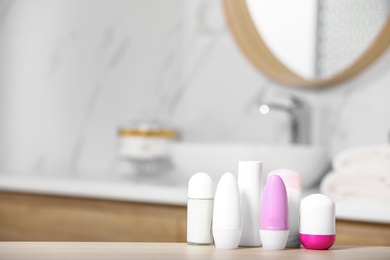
27 217
362 233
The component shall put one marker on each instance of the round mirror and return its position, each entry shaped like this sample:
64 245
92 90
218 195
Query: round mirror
310 43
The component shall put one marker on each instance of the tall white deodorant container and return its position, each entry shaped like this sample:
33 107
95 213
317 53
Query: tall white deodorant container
292 180
227 216
249 183
200 209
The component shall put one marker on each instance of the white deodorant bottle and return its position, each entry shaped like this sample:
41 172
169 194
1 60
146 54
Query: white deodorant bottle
318 222
292 180
200 209
249 183
226 216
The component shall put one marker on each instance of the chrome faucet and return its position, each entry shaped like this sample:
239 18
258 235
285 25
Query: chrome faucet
299 113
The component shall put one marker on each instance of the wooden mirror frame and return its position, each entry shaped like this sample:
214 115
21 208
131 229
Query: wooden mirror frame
250 41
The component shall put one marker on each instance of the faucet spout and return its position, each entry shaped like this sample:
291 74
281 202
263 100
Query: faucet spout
299 113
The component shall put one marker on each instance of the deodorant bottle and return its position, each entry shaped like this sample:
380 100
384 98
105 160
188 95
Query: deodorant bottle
274 215
200 209
226 216
318 222
292 180
249 183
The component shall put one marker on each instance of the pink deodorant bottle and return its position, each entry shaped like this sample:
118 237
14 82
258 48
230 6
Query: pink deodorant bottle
292 181
274 227
317 222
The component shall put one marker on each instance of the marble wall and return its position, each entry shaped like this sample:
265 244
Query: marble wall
73 71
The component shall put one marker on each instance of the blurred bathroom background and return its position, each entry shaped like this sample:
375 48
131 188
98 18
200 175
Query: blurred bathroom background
73 71
86 84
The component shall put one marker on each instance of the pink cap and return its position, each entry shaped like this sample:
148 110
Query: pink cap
274 208
291 179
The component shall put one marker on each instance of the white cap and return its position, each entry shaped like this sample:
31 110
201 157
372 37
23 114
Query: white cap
201 186
249 173
317 215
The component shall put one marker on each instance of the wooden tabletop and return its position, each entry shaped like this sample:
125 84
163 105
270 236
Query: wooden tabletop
114 250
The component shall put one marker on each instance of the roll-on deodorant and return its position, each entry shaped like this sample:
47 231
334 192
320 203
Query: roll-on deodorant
200 209
292 181
318 223
227 216
249 183
274 215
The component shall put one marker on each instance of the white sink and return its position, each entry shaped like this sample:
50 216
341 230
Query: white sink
171 188
216 159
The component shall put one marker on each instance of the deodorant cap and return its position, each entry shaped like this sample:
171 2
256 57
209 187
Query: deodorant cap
200 186
317 215
291 179
249 173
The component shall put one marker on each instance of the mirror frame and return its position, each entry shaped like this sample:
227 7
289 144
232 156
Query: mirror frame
250 41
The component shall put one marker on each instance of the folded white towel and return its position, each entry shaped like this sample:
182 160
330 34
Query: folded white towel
360 174
373 187
363 160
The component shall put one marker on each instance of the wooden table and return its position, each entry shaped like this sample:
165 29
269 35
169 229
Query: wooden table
115 250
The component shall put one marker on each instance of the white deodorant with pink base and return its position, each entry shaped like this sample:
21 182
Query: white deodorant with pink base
317 222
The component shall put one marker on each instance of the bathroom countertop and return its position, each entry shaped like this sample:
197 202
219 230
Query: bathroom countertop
147 193
99 188
115 250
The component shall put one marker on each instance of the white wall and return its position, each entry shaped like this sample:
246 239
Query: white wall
68 82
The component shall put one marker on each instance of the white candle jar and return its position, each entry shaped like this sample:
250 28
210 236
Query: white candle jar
146 143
